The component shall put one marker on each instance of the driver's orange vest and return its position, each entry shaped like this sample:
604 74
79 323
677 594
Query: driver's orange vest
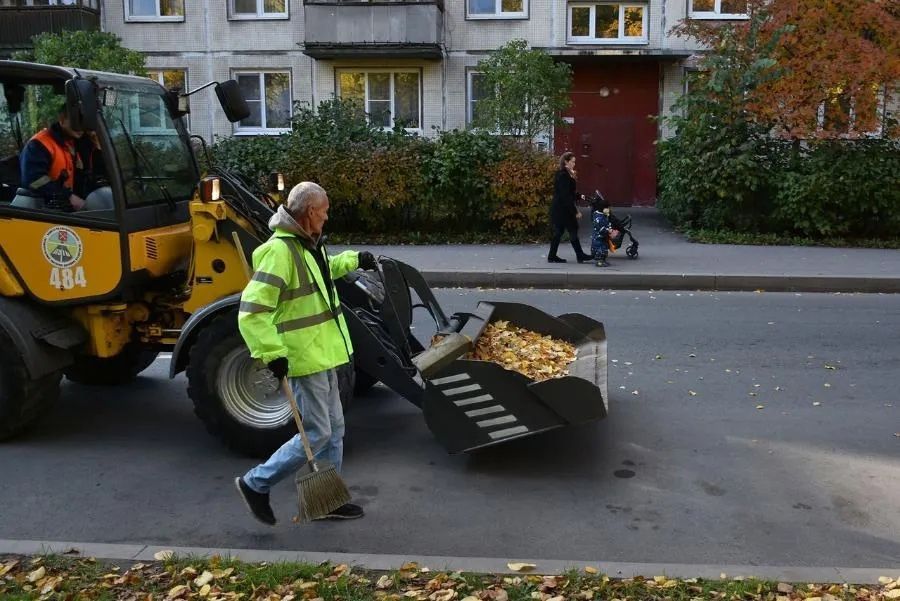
62 158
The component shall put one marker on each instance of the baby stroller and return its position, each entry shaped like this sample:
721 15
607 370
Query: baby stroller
621 225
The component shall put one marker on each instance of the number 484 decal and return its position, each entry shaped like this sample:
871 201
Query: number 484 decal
64 278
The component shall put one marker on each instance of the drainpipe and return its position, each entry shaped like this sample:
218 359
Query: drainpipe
210 112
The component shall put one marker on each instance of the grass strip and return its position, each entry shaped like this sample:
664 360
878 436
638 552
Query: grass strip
46 577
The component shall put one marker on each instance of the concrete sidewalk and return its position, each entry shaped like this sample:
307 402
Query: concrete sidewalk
667 261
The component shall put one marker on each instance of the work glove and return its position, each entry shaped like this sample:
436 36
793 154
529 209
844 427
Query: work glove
279 368
367 261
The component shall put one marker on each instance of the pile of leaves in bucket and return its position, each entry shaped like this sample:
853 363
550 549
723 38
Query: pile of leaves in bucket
220 579
537 356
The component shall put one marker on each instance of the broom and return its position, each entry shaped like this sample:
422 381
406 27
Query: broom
320 489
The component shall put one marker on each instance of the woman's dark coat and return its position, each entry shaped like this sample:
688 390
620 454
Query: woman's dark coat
563 209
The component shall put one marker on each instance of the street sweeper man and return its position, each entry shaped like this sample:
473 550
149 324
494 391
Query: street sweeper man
290 317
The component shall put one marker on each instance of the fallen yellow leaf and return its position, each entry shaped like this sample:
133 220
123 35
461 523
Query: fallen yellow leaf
163 555
521 567
384 582
590 570
205 578
177 591
442 595
893 594
37 574
7 567
885 580
204 590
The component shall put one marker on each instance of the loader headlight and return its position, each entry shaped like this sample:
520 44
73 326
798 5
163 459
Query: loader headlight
210 189
276 181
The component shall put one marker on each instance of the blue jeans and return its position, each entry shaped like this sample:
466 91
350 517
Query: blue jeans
323 419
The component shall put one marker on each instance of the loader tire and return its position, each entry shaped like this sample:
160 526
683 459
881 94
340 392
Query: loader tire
22 399
111 371
236 397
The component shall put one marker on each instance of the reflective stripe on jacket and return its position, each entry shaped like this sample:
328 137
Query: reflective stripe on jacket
62 159
286 311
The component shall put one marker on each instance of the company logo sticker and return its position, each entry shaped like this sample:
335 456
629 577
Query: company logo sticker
62 247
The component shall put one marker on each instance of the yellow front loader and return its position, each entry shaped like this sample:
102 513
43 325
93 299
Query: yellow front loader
95 295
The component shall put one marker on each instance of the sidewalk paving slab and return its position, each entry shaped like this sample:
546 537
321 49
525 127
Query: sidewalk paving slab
667 261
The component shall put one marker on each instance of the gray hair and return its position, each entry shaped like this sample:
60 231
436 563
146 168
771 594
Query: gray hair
303 196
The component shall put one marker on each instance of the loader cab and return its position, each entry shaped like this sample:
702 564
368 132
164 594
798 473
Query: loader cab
138 175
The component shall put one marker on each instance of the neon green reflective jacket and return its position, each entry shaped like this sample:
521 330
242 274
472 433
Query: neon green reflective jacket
285 310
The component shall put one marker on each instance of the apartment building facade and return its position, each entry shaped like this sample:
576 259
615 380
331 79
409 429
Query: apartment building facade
415 62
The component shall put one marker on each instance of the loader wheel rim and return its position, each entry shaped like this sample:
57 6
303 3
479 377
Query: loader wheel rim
249 393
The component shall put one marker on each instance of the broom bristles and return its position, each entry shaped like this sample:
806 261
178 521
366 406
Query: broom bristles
319 493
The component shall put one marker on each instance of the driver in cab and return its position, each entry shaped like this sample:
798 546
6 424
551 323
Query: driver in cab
58 166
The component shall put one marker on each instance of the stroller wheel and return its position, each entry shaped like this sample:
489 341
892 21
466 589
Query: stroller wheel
631 252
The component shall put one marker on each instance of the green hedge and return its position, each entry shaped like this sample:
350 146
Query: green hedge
394 182
845 188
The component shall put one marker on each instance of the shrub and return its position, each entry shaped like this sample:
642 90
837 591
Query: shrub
523 186
460 182
842 188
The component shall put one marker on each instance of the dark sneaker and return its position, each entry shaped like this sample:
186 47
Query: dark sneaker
585 258
256 502
347 511
602 263
555 260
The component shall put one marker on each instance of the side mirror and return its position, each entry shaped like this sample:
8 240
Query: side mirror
81 104
15 97
232 100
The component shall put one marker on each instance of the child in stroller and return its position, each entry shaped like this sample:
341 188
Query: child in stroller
608 231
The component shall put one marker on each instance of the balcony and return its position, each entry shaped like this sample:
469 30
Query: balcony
377 29
20 20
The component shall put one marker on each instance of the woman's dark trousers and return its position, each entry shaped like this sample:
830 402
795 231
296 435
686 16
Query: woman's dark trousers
572 228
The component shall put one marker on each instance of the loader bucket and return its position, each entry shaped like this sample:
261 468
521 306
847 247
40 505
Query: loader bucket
471 405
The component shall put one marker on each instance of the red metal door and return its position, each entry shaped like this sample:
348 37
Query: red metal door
612 131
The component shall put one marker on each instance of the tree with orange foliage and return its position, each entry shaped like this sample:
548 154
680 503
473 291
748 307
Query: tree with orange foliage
832 70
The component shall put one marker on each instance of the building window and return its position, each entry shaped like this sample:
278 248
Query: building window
88 3
390 98
497 9
154 10
153 113
476 90
268 96
607 23
258 9
840 113
717 9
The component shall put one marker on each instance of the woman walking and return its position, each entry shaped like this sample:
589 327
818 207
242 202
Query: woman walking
564 215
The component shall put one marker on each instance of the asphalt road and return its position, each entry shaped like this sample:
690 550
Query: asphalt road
729 440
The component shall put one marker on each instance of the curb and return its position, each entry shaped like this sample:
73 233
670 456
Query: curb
138 552
658 281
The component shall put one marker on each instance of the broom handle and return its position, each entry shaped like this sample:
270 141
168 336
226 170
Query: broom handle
289 393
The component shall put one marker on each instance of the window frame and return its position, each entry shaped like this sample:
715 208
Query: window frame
470 113
129 18
622 39
498 13
852 132
260 15
240 130
392 71
716 13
